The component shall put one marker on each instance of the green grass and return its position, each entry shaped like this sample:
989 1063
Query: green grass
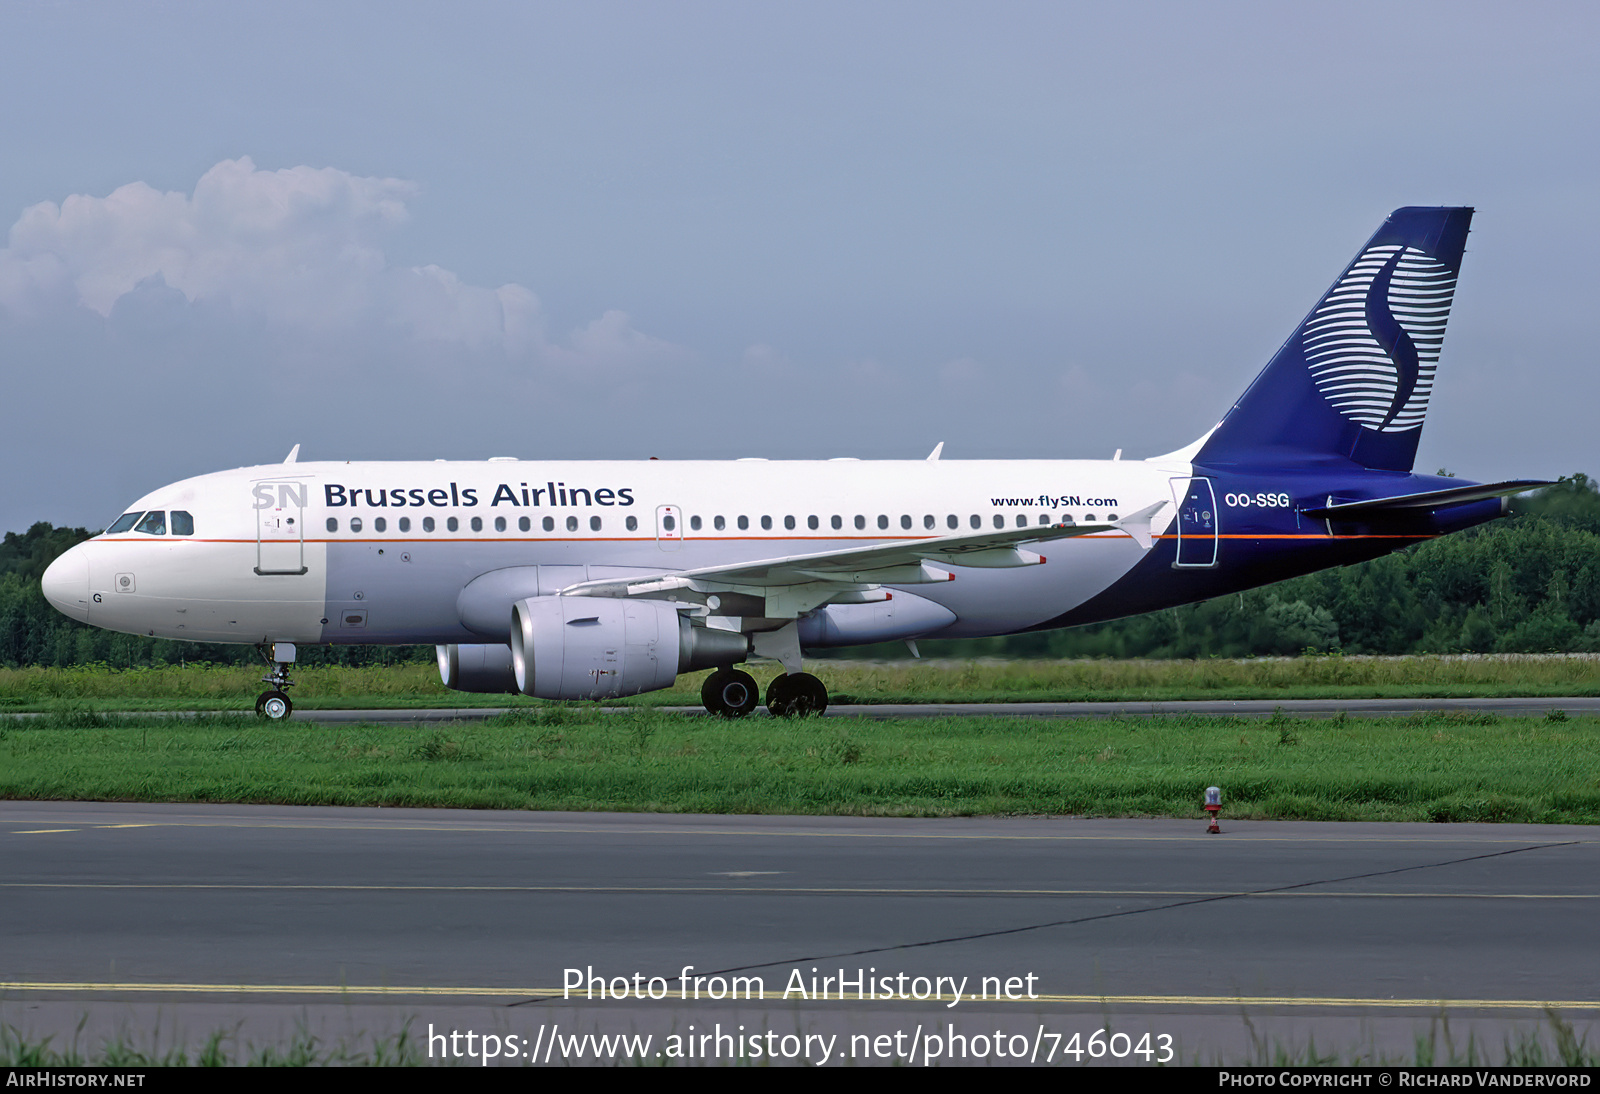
206 687
1436 767
220 1049
1556 1044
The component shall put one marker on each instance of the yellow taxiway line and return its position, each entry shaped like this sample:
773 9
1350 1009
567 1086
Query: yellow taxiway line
346 990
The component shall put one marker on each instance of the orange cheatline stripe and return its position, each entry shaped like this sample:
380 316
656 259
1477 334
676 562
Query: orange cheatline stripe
644 539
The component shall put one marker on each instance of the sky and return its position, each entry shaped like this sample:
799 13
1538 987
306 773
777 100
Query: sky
792 230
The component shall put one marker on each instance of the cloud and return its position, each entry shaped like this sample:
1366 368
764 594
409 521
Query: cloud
298 250
612 345
299 245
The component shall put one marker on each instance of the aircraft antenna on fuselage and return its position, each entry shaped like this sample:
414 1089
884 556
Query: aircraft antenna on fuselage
294 454
938 448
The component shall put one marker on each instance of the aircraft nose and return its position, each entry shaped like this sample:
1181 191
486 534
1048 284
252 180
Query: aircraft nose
66 584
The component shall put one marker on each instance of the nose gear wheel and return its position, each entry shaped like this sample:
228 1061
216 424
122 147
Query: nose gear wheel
274 705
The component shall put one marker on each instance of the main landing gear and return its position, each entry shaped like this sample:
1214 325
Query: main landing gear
796 695
730 693
274 705
733 694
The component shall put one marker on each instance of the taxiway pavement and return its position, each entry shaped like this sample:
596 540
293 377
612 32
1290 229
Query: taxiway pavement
259 918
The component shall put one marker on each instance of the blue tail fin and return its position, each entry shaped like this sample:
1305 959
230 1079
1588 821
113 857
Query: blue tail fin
1352 383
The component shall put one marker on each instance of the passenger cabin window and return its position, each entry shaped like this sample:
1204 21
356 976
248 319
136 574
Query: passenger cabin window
633 524
124 522
837 522
572 524
694 524
744 523
766 524
499 524
883 521
549 524
153 524
977 521
182 523
928 521
999 521
524 524
718 523
477 524
905 521
1044 518
812 522
788 522
333 524
861 522
954 521
379 524
594 524
451 524
405 524
668 522
427 524
355 524
1022 520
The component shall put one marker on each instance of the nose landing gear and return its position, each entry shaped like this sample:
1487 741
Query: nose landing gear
274 705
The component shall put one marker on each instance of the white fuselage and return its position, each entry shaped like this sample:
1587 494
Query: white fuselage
381 552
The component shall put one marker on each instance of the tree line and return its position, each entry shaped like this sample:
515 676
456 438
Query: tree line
1526 584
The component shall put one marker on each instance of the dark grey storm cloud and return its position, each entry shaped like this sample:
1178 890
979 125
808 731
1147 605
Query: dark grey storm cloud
399 231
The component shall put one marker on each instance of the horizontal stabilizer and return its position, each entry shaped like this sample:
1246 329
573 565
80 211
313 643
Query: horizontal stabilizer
1428 499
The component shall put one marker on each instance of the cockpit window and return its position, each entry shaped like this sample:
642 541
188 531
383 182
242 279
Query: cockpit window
154 523
124 522
182 523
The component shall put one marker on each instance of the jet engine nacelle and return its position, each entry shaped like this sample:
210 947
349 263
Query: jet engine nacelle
581 647
477 668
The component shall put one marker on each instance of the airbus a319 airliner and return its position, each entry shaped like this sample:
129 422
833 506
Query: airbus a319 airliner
591 580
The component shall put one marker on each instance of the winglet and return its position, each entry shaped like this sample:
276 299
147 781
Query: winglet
294 454
1137 524
938 448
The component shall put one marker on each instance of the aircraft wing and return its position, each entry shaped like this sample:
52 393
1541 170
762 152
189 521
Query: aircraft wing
791 585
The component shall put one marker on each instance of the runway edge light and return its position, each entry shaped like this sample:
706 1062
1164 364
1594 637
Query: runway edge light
1214 806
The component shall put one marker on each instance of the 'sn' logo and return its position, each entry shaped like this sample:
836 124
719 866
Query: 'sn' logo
1373 344
289 495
